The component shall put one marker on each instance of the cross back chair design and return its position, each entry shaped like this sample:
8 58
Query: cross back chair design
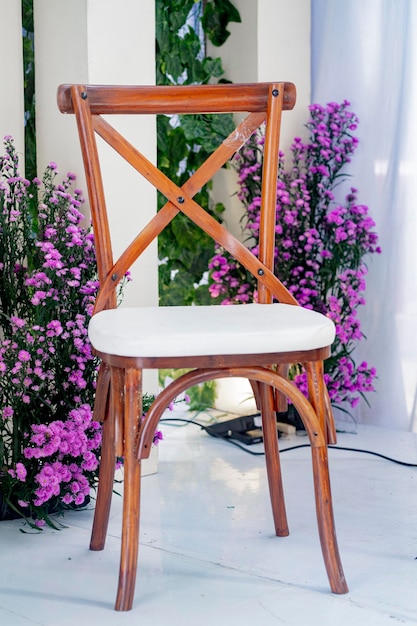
256 340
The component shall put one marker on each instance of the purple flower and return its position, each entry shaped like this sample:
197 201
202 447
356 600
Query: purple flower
7 412
21 472
40 523
24 355
158 436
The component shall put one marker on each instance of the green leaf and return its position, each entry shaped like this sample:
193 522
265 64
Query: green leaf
208 131
212 67
216 17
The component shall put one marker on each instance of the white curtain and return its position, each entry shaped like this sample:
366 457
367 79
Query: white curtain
365 51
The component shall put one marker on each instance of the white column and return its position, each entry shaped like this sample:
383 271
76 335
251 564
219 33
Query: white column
101 42
283 34
61 56
11 53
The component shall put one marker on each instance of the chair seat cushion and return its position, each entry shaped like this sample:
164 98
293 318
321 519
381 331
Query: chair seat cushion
204 330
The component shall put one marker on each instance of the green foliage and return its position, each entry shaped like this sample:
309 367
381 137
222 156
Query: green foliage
216 17
29 88
201 396
184 142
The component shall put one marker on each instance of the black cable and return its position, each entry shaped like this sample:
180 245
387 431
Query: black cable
382 456
333 447
303 445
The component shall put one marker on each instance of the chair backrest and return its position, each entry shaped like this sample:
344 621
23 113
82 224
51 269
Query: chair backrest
263 103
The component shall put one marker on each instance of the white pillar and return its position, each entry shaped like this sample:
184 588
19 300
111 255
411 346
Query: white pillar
61 56
100 42
11 53
284 54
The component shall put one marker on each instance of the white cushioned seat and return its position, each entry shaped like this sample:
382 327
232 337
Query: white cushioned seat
204 330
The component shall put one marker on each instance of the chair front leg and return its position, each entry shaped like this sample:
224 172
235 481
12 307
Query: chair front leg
325 520
131 494
321 476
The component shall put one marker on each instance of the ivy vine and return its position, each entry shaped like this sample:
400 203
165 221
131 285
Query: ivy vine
29 88
185 142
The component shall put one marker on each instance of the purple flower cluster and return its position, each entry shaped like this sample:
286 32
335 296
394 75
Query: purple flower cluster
68 450
48 283
321 241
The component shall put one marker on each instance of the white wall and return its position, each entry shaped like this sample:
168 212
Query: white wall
11 53
284 54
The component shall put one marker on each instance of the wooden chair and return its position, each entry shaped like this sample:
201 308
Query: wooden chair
255 340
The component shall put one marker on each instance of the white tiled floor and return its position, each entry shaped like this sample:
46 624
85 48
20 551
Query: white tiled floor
208 554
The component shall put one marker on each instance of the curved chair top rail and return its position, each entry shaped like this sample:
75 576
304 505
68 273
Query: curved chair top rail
167 99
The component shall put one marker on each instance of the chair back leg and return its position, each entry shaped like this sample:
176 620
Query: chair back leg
104 411
273 464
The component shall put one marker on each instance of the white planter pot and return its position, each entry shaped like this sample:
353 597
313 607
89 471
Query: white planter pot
150 465
234 395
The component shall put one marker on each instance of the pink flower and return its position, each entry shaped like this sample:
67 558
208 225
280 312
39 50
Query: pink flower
17 321
21 472
7 412
40 523
24 355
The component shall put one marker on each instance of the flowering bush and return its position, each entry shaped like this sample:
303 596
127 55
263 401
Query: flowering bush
320 242
49 443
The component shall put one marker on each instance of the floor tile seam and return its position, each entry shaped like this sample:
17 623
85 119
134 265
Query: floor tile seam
348 599
231 568
391 612
20 615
